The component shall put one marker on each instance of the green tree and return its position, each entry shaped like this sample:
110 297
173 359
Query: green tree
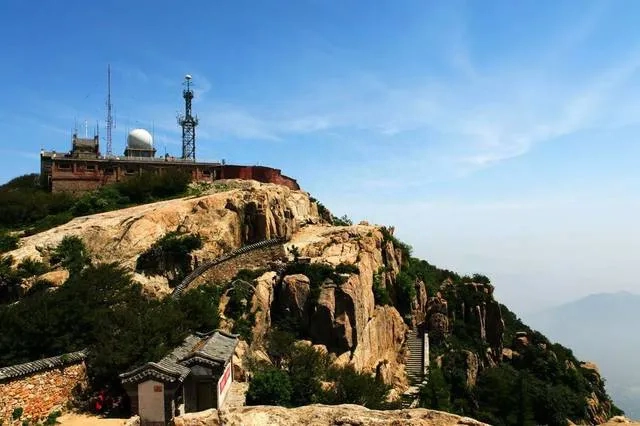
355 387
435 393
71 254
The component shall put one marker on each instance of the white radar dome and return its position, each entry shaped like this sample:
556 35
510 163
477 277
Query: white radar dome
139 139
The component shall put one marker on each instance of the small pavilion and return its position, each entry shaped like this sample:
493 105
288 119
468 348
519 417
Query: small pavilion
195 376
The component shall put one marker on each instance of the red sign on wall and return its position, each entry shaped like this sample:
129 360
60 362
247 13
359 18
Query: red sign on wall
157 388
223 384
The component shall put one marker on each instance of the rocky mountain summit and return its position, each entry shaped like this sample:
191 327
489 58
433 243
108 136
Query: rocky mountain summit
357 296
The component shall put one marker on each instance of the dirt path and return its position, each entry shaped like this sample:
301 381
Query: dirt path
73 419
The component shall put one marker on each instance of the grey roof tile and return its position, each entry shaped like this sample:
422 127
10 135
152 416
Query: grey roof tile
217 347
19 370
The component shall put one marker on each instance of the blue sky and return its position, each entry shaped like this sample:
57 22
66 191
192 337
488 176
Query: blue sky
497 136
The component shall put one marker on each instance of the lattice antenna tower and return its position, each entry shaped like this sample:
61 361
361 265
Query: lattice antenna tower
110 121
188 122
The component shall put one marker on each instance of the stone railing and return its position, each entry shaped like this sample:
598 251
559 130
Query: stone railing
222 259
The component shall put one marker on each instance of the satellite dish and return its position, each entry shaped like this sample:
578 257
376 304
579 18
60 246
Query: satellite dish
187 77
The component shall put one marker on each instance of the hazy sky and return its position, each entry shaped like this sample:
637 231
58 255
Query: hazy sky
497 136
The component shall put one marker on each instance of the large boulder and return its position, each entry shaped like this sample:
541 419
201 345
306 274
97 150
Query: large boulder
333 415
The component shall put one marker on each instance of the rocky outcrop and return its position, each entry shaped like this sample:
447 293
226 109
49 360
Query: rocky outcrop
293 296
345 318
322 415
261 306
248 212
57 278
381 343
437 317
598 407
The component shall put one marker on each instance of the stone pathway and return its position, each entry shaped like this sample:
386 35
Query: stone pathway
237 395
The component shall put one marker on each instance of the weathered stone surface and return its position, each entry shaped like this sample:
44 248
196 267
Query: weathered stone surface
419 305
226 220
334 415
41 393
346 317
471 361
203 418
382 341
293 296
239 360
57 278
436 317
261 307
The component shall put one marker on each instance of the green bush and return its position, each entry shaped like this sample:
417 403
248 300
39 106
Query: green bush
52 418
17 413
38 287
30 267
355 387
270 386
341 221
435 393
170 256
380 292
9 280
8 242
71 254
305 368
347 268
406 293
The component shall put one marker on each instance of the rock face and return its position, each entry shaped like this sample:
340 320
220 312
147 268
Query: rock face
293 295
323 415
597 407
346 319
247 213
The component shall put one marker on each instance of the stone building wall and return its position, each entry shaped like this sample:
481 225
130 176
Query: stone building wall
40 393
78 175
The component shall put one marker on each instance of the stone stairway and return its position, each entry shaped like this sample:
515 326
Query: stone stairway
415 372
415 361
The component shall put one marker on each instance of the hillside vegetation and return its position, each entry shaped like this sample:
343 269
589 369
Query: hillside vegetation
25 205
331 331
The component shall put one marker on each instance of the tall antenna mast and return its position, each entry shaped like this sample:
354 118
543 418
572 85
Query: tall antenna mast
188 123
109 115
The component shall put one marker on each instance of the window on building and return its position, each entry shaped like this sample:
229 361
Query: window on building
64 166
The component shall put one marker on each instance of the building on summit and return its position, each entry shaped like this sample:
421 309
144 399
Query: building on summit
85 168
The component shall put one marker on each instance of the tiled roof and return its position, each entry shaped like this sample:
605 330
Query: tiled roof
19 370
211 348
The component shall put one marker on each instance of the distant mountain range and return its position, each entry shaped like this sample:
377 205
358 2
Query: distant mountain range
603 328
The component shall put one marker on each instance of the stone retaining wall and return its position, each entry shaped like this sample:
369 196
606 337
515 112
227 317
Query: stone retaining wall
251 260
40 393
